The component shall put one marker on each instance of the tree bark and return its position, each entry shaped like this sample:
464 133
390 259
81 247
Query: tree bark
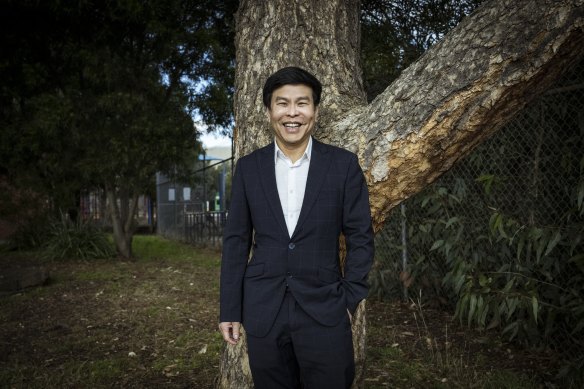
459 93
234 369
321 36
455 96
122 216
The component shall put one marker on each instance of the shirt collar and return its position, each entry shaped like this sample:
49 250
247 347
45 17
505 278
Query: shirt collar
307 153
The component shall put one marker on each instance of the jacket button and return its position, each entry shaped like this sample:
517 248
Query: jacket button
291 246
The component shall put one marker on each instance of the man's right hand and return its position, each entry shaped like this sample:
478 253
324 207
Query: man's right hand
230 331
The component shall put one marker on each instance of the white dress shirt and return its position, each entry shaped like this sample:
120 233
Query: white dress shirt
291 182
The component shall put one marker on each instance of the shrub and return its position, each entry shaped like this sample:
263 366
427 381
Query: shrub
76 239
524 280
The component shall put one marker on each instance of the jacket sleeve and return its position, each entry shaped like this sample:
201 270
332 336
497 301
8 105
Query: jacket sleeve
358 233
237 238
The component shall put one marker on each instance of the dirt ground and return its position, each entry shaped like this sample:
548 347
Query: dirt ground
153 323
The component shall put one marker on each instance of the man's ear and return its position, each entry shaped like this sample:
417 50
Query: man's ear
267 112
316 112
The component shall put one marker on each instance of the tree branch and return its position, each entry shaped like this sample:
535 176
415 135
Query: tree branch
459 93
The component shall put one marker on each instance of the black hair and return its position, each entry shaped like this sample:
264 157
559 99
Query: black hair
291 75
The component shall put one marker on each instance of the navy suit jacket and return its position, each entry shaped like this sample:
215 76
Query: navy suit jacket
260 259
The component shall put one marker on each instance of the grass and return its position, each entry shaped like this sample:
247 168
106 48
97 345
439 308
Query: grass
154 248
152 322
409 346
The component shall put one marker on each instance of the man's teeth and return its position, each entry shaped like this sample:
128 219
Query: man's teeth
292 124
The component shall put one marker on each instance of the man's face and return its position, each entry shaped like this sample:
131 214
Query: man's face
292 115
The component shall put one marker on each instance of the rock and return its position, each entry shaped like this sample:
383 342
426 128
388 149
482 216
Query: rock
16 279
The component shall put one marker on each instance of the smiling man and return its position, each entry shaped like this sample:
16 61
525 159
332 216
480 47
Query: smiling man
280 272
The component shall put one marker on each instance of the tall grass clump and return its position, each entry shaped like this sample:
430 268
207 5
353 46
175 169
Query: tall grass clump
76 239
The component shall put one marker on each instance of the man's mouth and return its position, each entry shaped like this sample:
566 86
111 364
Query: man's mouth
292 125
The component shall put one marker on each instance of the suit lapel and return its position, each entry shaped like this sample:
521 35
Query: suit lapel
319 164
267 172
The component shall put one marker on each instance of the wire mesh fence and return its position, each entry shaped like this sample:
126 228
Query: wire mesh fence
195 211
499 238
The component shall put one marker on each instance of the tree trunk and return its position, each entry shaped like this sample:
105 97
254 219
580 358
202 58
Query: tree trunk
321 36
122 209
458 94
234 369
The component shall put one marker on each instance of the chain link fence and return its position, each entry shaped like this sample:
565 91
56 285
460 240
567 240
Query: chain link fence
502 229
195 212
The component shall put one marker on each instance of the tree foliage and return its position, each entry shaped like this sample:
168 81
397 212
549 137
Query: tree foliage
397 32
103 94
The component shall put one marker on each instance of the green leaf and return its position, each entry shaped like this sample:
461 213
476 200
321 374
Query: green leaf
425 201
513 327
493 220
508 286
447 247
473 305
535 307
520 246
451 221
500 226
536 233
457 310
459 283
437 244
484 314
553 242
455 198
511 306
461 307
487 181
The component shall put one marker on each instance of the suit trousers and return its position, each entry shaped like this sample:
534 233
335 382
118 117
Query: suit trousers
298 352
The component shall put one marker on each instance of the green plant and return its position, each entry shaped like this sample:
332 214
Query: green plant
535 294
539 283
525 281
76 239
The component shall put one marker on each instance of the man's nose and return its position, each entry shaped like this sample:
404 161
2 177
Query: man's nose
292 110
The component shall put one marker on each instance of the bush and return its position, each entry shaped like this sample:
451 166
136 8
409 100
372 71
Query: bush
524 280
70 239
